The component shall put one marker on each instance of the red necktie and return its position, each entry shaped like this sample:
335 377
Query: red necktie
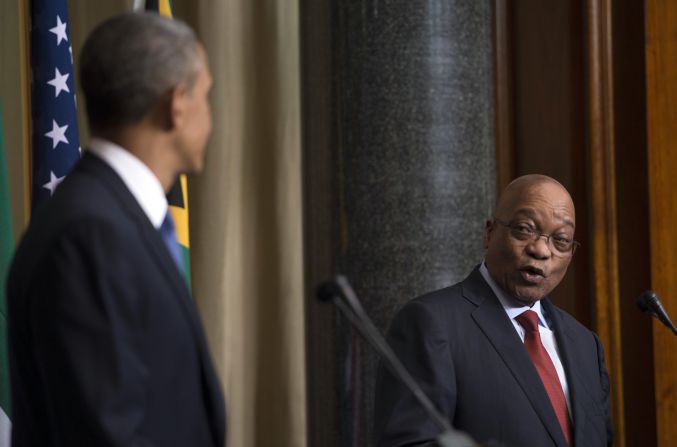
545 368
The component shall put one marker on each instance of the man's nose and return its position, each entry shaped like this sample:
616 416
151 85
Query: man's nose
540 247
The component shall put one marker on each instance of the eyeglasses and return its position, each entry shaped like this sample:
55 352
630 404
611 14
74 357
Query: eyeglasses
559 245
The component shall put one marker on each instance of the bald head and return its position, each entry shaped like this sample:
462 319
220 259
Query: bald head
528 185
530 240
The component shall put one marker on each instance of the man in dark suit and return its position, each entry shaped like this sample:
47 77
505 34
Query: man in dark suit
106 346
494 354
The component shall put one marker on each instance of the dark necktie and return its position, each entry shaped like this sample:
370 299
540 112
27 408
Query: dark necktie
546 369
169 238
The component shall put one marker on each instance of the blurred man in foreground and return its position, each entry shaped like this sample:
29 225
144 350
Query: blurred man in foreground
106 347
494 354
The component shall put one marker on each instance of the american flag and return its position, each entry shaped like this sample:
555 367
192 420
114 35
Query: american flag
56 142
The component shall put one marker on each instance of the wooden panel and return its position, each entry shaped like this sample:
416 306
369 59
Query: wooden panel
503 74
15 102
603 201
632 228
546 106
661 60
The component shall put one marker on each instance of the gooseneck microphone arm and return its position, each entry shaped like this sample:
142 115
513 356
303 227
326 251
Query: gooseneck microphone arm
648 302
342 295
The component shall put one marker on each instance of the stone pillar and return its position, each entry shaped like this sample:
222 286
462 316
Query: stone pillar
399 175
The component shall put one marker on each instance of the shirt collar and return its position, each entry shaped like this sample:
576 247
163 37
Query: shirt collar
511 306
139 179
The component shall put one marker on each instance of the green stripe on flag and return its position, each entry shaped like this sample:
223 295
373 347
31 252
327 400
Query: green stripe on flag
6 248
185 255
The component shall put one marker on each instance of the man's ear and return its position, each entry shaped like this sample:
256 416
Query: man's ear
164 114
177 105
488 230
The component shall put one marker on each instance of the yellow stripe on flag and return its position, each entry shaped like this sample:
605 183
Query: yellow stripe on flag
164 8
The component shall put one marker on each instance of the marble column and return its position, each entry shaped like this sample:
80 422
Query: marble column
399 175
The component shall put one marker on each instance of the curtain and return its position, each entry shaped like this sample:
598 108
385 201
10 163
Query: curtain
246 219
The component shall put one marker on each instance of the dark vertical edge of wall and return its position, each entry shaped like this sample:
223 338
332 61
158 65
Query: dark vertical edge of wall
319 262
633 221
504 92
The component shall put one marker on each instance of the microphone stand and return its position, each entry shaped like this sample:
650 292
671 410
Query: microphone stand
334 290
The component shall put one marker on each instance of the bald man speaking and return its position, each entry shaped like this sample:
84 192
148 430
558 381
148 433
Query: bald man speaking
495 355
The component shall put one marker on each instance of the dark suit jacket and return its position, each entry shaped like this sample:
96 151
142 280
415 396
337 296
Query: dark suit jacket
462 348
106 347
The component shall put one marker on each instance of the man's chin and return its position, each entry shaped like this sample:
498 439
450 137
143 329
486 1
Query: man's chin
527 301
528 297
195 168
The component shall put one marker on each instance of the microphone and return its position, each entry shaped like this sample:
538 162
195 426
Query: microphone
341 293
649 303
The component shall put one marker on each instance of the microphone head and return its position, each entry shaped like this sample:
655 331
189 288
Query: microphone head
646 301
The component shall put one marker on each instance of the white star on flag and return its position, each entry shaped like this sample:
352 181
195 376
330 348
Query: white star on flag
52 183
60 31
57 134
59 82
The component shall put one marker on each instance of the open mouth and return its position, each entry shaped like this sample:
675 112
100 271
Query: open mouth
532 275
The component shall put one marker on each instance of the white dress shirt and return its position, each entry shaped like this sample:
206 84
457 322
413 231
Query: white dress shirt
139 179
514 308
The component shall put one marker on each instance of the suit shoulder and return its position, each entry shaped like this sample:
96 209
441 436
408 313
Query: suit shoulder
437 305
438 298
81 194
573 326
82 208
82 198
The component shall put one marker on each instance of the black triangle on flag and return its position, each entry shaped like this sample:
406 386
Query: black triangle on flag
152 5
175 194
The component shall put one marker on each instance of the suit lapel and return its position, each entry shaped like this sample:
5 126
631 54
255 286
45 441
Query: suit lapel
499 330
567 351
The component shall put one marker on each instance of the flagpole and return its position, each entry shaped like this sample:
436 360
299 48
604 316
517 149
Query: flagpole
26 109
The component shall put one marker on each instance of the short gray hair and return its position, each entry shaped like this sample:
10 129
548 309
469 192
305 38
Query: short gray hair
129 62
